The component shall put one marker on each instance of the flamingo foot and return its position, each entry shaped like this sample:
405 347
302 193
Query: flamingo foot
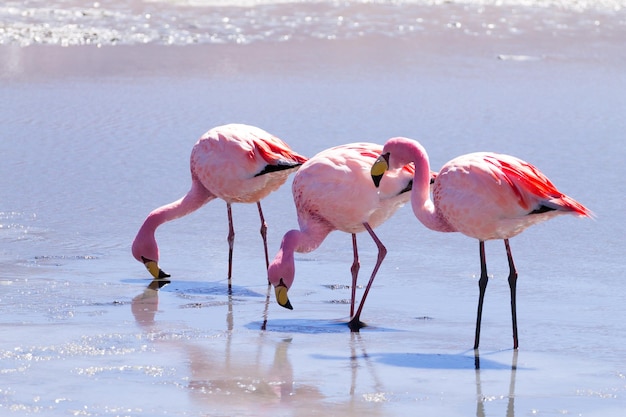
355 324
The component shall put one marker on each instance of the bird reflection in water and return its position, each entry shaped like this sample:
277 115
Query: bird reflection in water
481 398
358 355
224 378
144 306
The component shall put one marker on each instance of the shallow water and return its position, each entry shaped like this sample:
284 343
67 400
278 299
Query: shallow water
95 138
187 22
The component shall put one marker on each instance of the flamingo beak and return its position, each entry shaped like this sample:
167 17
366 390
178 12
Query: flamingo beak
154 269
281 295
378 169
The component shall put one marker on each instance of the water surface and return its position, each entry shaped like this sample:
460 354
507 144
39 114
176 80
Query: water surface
95 138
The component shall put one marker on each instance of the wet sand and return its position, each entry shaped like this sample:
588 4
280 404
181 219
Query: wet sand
95 138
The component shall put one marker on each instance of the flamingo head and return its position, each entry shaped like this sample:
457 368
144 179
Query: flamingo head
281 280
281 272
281 295
146 251
398 152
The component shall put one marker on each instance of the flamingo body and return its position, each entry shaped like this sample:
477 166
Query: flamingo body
237 163
333 191
242 164
482 195
494 196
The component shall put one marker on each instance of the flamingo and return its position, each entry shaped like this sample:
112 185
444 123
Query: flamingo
333 191
483 195
235 162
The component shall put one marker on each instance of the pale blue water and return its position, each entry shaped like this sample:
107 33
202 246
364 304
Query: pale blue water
92 139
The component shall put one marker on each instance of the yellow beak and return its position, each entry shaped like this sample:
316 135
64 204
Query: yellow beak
378 169
154 269
281 295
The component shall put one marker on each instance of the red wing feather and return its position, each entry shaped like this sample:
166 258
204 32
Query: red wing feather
275 150
526 178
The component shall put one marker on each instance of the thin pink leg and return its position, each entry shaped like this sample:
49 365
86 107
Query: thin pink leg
512 286
264 234
355 273
355 323
231 244
482 286
267 264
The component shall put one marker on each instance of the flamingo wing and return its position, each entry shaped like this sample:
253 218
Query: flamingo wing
533 189
277 154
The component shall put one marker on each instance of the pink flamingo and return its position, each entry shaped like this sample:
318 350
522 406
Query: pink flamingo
333 191
482 195
237 163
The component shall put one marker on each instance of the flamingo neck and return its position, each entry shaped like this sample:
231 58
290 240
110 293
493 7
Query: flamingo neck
407 150
145 244
301 241
283 267
164 214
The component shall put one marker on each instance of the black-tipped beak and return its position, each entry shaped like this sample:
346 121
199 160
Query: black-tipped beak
154 269
281 295
376 179
378 169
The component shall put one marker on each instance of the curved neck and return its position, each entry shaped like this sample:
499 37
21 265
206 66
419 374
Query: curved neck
192 201
145 243
407 150
309 237
302 241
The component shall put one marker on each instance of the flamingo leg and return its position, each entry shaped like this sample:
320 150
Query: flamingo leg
355 272
264 234
231 244
482 286
513 287
267 306
267 264
355 323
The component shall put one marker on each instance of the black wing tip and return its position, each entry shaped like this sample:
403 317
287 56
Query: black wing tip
278 167
542 209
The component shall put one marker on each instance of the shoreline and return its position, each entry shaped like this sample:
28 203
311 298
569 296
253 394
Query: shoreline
52 61
436 36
